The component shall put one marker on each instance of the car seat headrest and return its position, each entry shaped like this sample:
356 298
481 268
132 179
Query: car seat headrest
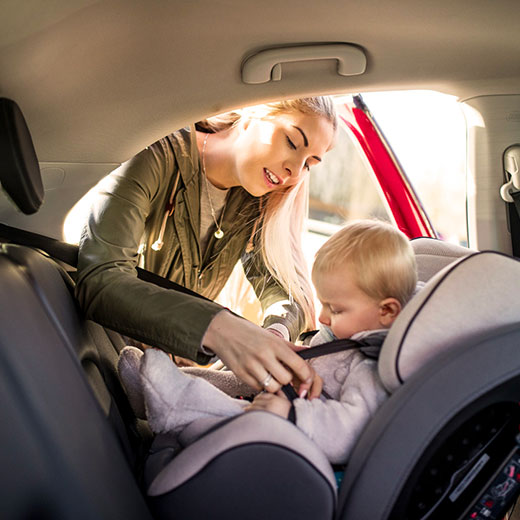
19 169
475 294
432 255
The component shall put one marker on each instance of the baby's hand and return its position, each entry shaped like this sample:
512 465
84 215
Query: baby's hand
274 403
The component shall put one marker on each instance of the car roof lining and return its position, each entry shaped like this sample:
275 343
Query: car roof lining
98 81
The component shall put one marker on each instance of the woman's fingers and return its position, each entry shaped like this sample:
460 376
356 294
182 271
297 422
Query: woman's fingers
254 354
297 365
316 387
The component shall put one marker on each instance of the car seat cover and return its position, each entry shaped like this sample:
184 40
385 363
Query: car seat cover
432 255
252 427
461 301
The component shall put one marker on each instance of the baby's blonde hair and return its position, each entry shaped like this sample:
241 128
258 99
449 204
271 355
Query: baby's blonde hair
379 256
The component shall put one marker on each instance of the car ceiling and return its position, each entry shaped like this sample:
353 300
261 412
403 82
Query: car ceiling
99 80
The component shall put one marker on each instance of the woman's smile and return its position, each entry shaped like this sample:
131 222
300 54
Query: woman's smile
271 179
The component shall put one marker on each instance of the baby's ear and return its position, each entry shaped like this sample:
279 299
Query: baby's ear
389 308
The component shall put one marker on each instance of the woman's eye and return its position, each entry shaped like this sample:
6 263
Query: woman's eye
307 166
290 143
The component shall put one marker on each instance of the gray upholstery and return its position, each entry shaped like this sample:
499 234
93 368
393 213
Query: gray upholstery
69 442
255 466
59 444
433 255
451 353
421 414
471 296
253 427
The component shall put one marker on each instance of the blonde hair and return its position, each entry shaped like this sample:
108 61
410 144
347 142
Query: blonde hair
283 211
379 255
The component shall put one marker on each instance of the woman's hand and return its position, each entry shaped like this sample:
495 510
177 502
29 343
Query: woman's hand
254 354
277 404
303 391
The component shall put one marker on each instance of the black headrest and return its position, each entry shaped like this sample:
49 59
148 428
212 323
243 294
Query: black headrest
19 169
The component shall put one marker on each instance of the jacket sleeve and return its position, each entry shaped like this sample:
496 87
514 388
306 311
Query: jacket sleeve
274 300
108 289
335 426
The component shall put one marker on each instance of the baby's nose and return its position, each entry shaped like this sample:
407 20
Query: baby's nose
324 318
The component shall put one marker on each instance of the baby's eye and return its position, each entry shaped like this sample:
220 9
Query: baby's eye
290 143
334 311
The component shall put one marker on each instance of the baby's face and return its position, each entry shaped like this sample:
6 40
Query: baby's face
346 309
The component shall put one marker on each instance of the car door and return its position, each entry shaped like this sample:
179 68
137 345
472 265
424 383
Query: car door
362 177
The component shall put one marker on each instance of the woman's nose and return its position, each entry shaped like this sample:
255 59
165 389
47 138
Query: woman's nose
294 172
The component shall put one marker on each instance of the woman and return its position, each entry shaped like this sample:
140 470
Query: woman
188 208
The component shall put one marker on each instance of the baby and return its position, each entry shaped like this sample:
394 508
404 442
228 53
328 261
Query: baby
363 276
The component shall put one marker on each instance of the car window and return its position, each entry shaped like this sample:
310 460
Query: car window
427 132
342 188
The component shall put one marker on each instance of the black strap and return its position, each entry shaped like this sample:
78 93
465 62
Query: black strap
370 346
514 222
338 345
68 253
64 252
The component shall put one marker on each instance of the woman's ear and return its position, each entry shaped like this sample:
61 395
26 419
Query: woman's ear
389 309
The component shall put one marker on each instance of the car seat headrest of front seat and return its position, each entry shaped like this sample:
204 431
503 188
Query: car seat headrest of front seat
19 169
468 297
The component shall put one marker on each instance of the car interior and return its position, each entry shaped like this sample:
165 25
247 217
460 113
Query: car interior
85 86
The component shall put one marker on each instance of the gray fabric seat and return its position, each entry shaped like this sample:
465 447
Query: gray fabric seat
70 445
440 364
60 453
450 360
433 255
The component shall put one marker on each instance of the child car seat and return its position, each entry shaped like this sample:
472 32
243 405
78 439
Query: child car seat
432 255
452 364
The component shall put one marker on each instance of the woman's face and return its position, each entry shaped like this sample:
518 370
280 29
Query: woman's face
274 153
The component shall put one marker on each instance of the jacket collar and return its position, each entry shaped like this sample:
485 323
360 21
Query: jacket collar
186 153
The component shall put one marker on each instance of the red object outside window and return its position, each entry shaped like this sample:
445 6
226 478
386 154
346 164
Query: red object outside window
408 212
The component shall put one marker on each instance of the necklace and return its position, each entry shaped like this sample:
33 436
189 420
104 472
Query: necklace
218 233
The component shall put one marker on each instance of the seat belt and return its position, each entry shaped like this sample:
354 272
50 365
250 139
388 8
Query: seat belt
68 253
514 222
371 344
510 193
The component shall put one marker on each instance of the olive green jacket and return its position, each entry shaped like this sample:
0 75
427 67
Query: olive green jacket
126 219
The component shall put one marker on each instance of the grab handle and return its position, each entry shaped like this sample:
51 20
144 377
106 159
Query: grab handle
266 65
511 167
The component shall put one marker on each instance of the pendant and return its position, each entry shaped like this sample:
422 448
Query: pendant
219 233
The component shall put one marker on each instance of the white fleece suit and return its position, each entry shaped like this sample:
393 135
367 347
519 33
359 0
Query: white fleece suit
175 399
